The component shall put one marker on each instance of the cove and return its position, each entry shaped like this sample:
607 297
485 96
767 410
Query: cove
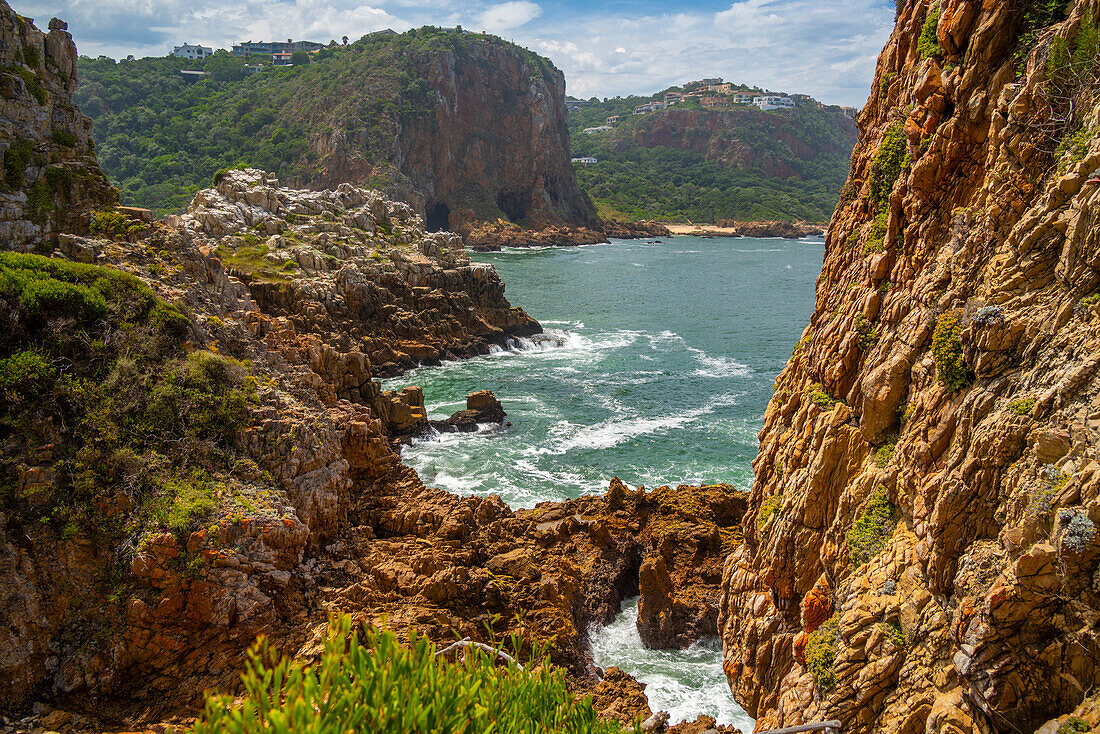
657 365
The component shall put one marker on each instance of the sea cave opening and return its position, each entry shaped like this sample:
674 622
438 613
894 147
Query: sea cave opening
514 204
438 218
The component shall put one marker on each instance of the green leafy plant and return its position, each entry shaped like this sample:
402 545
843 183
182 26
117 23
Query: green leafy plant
115 224
65 138
821 650
890 160
1041 498
867 330
885 454
768 509
372 683
820 398
894 632
928 44
1022 406
951 369
871 532
1091 300
1074 724
16 159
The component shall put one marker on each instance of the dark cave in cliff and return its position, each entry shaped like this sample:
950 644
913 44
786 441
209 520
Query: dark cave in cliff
437 218
514 204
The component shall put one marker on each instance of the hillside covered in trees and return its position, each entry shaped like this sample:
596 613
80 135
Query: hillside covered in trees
711 164
462 126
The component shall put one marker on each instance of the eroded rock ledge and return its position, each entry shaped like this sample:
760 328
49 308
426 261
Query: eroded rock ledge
920 550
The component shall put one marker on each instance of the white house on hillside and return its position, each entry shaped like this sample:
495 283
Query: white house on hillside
651 107
586 160
597 129
187 51
770 102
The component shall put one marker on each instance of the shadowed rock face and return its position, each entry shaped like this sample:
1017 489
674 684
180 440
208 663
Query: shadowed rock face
947 381
50 176
494 142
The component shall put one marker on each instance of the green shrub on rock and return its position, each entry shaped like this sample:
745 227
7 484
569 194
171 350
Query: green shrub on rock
871 532
768 509
372 683
951 369
891 158
821 651
929 45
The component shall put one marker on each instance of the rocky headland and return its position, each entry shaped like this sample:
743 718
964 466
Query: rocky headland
920 550
50 179
495 235
730 228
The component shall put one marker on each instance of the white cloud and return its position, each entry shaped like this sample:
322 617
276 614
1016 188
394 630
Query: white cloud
508 16
827 49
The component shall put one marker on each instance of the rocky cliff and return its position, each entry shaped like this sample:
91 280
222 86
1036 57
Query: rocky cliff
50 176
920 551
194 452
461 126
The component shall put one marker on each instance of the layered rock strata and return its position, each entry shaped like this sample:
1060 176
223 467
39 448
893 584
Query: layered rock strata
920 551
50 175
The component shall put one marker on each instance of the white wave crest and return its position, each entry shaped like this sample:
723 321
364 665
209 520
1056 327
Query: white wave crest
718 366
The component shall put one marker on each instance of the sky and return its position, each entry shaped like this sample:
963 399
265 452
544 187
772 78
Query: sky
825 48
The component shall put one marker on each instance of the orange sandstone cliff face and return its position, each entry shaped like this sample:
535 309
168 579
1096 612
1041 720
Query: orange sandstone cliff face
948 381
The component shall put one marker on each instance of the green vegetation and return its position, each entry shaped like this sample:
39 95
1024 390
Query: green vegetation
821 651
1041 498
371 683
876 240
1038 14
65 138
1022 406
820 398
951 369
30 81
1074 148
885 454
768 509
1074 724
894 632
687 163
161 138
115 224
929 45
905 412
141 435
891 159
1091 300
16 159
867 330
246 253
870 534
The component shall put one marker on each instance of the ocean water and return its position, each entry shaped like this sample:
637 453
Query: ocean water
657 364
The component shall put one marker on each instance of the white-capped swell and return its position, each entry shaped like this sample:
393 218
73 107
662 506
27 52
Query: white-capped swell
614 432
685 683
718 366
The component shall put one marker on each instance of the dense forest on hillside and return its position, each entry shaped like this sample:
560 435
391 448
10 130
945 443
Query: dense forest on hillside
687 162
161 137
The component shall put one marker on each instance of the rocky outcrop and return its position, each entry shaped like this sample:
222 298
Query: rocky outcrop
920 551
491 236
491 140
787 230
481 407
358 272
50 175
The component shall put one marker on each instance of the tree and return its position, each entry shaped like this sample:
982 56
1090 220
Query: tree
345 40
299 58
224 67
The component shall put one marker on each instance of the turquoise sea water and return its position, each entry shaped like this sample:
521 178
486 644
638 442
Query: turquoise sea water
657 365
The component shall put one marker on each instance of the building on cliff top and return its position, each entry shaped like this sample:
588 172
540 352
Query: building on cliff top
773 102
270 48
188 51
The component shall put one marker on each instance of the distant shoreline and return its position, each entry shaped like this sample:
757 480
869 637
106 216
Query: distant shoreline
748 229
